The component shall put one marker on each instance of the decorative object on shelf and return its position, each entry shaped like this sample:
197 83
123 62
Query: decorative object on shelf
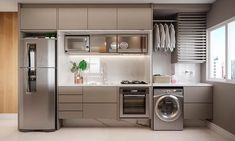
77 69
113 45
123 45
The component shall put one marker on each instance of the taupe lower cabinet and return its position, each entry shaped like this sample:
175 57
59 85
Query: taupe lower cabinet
102 18
38 18
89 102
134 18
72 18
198 102
100 102
70 102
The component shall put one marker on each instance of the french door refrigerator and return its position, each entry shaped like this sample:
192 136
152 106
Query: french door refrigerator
37 85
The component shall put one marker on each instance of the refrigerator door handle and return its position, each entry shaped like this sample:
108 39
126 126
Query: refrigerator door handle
31 52
30 81
30 77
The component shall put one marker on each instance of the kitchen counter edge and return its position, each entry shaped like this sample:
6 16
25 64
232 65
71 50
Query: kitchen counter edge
181 84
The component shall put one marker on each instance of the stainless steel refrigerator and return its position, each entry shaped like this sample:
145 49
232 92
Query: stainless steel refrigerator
37 85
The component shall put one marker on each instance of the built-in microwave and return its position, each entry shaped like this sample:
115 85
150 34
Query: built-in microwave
77 43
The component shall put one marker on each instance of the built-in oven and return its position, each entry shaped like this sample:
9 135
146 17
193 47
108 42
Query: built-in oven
134 102
77 43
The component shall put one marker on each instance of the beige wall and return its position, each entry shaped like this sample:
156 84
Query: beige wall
224 94
221 10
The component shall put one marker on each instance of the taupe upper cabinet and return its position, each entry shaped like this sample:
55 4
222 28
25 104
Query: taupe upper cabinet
72 18
134 18
38 18
102 18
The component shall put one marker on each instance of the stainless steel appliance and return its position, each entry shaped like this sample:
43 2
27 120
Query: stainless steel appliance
134 102
133 82
77 43
37 85
168 109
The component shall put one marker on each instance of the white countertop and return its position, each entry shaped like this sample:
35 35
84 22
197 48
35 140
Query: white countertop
180 84
109 84
140 85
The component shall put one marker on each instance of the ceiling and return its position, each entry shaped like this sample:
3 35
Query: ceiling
119 1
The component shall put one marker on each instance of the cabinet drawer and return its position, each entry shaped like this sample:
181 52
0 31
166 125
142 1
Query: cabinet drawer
197 111
70 90
106 111
70 98
70 115
66 106
100 94
198 94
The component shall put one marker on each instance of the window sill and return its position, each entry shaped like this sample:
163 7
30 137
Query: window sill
220 81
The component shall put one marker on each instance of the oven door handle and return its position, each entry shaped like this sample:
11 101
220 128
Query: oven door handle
135 95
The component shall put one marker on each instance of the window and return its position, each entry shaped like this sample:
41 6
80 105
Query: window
217 53
231 52
221 61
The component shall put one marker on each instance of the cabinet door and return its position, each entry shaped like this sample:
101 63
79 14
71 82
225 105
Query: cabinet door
102 18
38 18
134 18
105 111
73 18
100 94
197 111
132 43
198 94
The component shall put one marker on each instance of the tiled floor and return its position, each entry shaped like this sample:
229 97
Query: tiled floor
9 132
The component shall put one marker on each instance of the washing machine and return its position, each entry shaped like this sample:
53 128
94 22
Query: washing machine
168 109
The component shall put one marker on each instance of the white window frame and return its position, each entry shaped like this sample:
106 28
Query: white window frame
226 80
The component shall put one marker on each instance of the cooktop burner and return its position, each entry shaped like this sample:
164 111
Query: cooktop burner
133 82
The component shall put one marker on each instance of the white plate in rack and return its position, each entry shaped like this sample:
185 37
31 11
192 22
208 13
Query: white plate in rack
123 45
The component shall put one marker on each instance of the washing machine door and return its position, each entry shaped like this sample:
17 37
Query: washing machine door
168 108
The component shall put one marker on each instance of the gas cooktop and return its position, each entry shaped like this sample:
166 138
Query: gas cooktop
133 82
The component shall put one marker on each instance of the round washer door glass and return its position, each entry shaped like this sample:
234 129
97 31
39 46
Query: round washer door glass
168 108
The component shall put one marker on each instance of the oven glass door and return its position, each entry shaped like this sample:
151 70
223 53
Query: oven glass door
134 104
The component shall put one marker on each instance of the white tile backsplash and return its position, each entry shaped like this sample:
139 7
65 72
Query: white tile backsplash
188 73
183 72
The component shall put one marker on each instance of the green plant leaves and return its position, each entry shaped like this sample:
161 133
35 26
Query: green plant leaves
78 67
74 68
83 65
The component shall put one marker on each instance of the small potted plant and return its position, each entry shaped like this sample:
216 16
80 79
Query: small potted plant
77 69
